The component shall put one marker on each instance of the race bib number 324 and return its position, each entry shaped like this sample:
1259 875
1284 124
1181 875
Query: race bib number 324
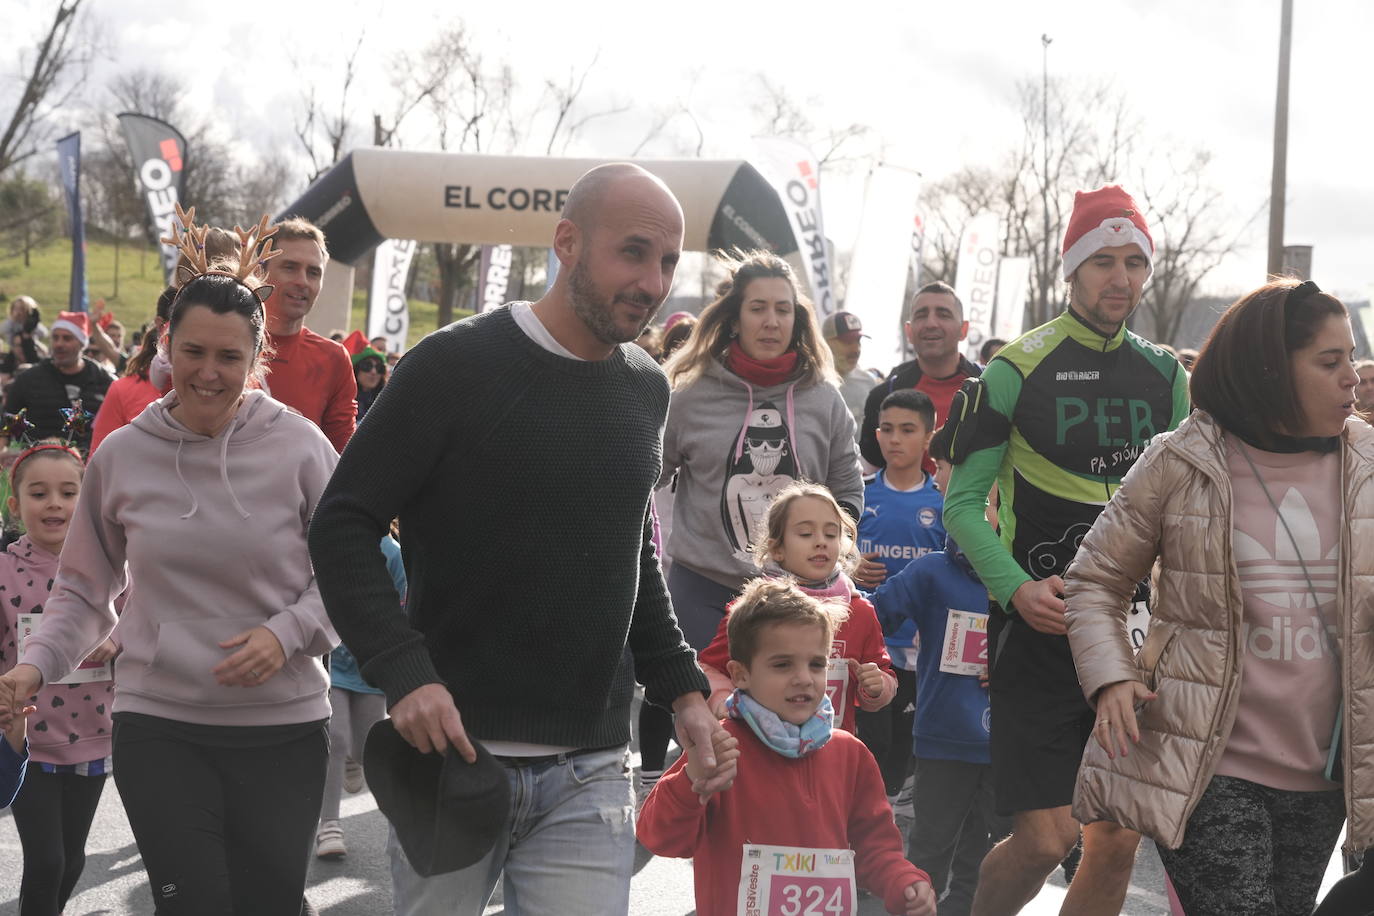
794 881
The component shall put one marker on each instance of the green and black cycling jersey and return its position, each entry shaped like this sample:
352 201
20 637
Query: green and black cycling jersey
1067 411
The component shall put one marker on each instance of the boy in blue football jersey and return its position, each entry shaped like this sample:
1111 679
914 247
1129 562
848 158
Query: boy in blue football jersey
901 521
955 823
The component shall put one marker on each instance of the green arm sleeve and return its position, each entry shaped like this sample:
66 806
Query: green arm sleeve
968 495
1183 404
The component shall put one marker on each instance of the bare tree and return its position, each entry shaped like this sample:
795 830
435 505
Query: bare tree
52 73
323 135
1185 214
780 115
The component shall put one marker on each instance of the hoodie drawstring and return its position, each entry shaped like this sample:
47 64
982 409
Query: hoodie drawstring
791 425
223 476
195 504
744 427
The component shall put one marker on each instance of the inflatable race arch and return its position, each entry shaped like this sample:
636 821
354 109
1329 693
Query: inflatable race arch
373 194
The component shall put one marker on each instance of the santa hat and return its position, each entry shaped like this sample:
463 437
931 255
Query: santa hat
78 323
355 343
1105 218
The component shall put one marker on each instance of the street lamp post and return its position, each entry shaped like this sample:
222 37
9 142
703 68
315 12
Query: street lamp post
1047 271
1278 184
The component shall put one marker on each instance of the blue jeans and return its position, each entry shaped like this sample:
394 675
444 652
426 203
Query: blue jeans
570 848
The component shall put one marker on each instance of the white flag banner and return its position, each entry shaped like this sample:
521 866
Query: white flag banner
878 268
387 313
918 248
976 276
794 173
1013 283
494 276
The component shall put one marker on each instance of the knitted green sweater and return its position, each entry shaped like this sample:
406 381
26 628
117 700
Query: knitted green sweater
522 482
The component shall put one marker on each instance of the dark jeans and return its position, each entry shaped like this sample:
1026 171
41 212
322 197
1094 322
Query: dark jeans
1254 850
53 814
223 831
887 732
954 828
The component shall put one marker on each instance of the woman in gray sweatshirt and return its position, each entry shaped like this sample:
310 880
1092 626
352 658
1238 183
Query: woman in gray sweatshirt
755 405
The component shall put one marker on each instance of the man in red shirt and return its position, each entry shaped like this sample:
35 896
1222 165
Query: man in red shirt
934 330
309 373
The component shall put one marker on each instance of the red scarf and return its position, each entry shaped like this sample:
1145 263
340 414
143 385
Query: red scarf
762 372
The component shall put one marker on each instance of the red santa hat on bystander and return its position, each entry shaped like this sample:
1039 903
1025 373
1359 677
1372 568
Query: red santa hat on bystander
1105 218
78 323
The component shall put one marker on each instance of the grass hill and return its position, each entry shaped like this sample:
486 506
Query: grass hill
132 293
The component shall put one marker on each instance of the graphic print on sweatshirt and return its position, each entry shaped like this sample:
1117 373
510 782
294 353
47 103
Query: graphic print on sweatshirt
1289 626
762 462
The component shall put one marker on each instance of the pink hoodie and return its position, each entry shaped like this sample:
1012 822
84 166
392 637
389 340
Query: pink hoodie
213 530
72 724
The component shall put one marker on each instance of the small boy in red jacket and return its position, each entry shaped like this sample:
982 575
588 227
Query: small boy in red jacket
806 822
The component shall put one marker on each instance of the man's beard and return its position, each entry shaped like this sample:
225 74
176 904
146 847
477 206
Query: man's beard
595 312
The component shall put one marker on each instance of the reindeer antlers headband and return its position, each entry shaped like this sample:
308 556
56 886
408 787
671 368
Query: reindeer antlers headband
255 250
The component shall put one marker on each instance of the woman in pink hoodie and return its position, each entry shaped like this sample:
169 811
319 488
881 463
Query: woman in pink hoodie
220 702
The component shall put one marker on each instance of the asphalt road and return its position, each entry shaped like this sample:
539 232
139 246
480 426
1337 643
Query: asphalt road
114 883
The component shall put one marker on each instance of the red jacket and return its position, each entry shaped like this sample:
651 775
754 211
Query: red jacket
832 799
314 376
860 638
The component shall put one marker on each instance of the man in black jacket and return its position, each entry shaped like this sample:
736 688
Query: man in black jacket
935 329
62 380
520 448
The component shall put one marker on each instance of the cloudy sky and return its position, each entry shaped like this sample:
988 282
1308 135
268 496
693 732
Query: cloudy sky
936 81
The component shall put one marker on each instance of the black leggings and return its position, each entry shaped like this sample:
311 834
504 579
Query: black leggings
1256 850
1353 895
223 831
53 815
887 732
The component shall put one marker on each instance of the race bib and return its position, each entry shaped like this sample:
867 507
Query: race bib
792 881
965 649
837 684
86 673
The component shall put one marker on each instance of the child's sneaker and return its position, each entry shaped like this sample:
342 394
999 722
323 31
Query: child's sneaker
353 776
329 841
903 806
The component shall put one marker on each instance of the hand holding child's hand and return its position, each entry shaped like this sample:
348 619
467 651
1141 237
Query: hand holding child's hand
16 726
920 899
726 749
869 573
870 676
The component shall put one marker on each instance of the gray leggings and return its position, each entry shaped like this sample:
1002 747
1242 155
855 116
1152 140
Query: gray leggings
354 714
1253 850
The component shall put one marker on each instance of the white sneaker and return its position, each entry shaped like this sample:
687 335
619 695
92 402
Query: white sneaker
353 776
903 806
329 841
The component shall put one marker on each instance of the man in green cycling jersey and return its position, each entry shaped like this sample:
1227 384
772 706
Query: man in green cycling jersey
1067 409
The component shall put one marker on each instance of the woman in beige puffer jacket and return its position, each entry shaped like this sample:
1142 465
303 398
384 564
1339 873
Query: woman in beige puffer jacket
1239 841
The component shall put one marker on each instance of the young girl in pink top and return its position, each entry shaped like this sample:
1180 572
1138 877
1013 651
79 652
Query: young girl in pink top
69 735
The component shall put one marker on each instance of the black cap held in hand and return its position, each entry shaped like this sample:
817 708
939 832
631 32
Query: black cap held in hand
447 813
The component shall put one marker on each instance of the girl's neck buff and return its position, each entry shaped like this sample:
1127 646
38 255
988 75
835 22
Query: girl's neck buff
762 372
835 585
787 739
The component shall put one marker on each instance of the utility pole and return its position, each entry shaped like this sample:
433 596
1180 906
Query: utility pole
1279 184
1047 271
